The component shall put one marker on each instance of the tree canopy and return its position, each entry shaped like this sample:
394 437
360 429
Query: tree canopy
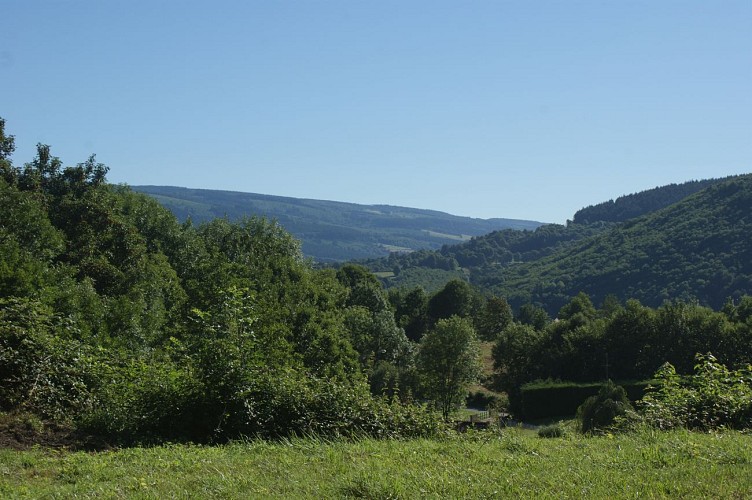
448 361
118 319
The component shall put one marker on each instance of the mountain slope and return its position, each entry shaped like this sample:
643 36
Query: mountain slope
699 248
334 231
693 249
637 204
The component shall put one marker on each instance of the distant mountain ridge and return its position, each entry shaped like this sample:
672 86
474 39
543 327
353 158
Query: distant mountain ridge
332 231
634 205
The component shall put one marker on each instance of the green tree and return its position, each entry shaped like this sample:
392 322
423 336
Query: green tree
353 275
685 329
628 338
457 298
495 317
610 307
7 146
516 356
530 314
373 330
582 353
411 311
448 362
29 243
579 309
41 172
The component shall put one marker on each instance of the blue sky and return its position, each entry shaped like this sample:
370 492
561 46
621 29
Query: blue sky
527 109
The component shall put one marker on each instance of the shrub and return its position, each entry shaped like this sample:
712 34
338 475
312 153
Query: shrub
599 412
292 404
551 431
146 401
158 401
481 399
545 399
43 370
712 397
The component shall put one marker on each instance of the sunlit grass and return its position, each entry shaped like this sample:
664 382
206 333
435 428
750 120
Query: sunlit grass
509 464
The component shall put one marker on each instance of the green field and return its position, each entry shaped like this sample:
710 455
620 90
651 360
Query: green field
509 464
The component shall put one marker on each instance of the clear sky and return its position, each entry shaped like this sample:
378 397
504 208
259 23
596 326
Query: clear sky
525 109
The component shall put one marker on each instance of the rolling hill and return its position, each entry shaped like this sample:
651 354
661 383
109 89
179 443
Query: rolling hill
633 205
333 231
696 248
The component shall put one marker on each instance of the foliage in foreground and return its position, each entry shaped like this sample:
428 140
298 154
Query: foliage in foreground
713 397
510 464
271 406
120 321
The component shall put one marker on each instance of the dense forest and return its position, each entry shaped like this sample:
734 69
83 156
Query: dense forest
634 205
120 321
624 342
695 249
582 343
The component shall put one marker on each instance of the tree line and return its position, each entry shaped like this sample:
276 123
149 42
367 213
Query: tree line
122 322
625 341
695 249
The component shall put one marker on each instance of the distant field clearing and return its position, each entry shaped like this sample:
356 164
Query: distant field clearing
395 248
458 237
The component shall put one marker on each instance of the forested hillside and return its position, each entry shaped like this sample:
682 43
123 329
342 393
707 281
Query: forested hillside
692 249
699 248
333 231
637 204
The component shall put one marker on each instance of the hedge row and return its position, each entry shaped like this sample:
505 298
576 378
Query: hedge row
554 399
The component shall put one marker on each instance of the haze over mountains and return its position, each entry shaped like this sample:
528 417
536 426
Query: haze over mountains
686 241
332 231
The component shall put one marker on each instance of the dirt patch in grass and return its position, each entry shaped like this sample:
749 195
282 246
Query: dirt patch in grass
24 432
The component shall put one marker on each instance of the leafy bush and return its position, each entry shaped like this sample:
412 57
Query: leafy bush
551 431
712 397
155 402
599 412
481 399
42 369
290 403
146 401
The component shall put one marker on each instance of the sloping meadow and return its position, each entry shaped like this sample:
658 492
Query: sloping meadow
511 463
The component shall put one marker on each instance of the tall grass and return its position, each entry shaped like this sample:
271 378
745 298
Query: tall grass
513 463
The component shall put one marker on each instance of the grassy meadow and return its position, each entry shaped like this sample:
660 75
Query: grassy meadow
512 463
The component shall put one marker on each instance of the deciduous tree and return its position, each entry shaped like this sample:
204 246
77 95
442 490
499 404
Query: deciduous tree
449 361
